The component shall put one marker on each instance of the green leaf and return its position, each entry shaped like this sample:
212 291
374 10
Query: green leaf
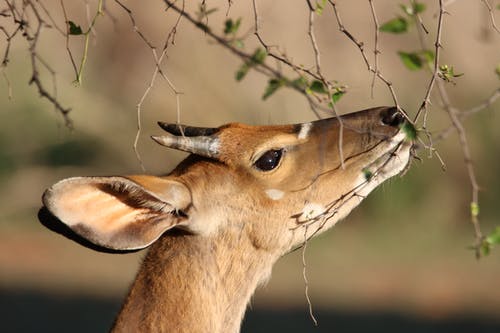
318 87
490 241
239 43
258 56
337 95
228 26
447 73
203 11
320 6
474 209
300 83
210 11
418 7
409 130
414 9
411 60
497 70
74 29
485 248
397 25
428 56
367 174
272 86
242 71
231 27
494 237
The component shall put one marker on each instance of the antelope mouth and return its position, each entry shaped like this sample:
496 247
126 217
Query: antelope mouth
391 158
387 159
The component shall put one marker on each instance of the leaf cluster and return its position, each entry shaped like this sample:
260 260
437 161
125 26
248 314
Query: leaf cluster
447 73
258 57
401 23
416 60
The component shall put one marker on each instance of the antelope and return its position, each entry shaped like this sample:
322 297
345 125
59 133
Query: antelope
216 224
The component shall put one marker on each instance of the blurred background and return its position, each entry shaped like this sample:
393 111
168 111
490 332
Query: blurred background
399 262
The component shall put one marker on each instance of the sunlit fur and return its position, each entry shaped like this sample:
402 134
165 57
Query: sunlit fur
224 221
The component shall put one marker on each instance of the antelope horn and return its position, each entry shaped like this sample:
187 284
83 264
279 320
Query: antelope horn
178 129
203 145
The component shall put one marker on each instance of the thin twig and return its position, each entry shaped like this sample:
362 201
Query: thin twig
418 17
454 116
452 113
9 38
443 134
32 39
7 82
437 51
282 59
220 40
170 39
79 69
487 103
376 51
360 46
54 23
86 42
312 37
68 49
306 282
317 58
261 67
492 16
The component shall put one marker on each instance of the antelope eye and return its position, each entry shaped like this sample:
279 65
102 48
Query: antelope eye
269 160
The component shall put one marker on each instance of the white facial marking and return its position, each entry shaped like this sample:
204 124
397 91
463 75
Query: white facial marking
274 194
311 211
304 130
398 138
384 167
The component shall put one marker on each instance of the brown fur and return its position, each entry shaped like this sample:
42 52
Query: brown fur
229 222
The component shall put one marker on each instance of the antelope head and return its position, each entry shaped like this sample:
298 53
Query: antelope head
244 197
273 185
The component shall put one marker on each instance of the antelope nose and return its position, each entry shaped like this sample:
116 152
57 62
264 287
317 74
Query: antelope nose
392 117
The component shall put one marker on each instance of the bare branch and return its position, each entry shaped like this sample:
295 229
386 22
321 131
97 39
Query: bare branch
487 103
157 70
437 50
32 39
68 49
376 51
492 16
443 134
261 67
306 282
360 46
7 82
279 57
452 113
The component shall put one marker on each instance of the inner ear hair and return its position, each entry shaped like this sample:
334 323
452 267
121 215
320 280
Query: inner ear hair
134 196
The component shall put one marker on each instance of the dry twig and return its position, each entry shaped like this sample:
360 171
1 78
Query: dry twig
492 16
170 39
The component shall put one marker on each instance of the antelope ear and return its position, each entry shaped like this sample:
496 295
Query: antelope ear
119 213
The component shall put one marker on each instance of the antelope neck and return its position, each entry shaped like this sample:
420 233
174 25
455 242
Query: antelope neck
194 284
